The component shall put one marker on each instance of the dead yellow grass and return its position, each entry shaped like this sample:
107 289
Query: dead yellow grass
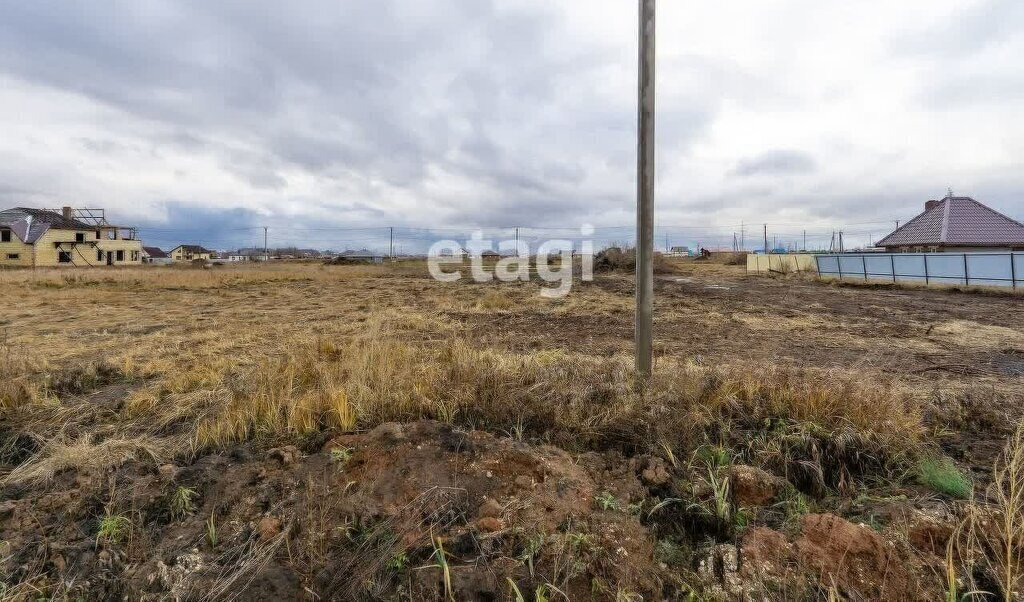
85 455
17 385
972 335
771 322
578 401
337 350
378 376
190 277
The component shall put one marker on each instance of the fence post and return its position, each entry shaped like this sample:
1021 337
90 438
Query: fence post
925 255
1013 272
839 266
864 263
967 277
892 260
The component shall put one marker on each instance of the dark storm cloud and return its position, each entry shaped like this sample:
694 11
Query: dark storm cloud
356 86
775 162
185 223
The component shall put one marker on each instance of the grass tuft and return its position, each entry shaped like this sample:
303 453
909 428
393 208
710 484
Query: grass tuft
182 502
942 475
113 529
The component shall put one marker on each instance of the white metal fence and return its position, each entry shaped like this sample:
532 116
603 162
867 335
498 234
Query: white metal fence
976 269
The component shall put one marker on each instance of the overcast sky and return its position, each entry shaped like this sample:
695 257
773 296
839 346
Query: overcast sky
452 113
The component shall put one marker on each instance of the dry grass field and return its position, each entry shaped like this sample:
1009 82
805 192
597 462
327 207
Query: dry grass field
364 432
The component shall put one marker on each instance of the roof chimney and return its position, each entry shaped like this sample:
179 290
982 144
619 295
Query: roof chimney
928 206
67 212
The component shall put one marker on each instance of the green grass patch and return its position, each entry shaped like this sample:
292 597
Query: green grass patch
942 475
113 528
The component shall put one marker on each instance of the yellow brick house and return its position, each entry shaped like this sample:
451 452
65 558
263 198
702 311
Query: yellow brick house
190 253
44 238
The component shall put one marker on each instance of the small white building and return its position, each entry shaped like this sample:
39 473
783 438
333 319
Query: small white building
155 256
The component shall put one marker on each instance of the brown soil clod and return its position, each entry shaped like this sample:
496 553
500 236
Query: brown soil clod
752 486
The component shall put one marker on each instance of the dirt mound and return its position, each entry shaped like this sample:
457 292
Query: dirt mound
421 511
616 259
831 553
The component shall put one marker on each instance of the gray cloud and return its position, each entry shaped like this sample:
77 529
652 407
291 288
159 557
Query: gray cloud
775 162
488 113
966 31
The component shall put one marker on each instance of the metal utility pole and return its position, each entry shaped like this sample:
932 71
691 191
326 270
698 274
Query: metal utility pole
766 239
805 241
266 252
743 235
645 193
392 251
841 250
517 237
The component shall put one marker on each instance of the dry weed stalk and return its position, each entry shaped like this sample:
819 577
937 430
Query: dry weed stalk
246 561
990 537
1001 528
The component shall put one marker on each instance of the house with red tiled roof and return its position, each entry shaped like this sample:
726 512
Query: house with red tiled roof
956 223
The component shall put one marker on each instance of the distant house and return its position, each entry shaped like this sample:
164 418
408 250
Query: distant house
155 255
460 252
241 255
679 252
956 223
362 255
47 238
190 253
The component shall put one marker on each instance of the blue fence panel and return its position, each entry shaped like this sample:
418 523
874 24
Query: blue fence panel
975 269
946 268
879 266
851 266
909 268
989 269
827 264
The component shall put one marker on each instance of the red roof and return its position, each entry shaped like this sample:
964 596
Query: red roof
957 221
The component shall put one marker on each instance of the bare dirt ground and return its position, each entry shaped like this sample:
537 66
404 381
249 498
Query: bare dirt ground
364 432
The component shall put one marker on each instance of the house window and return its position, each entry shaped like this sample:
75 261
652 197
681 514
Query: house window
79 236
64 256
97 235
5 236
13 256
99 255
112 234
120 255
135 255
